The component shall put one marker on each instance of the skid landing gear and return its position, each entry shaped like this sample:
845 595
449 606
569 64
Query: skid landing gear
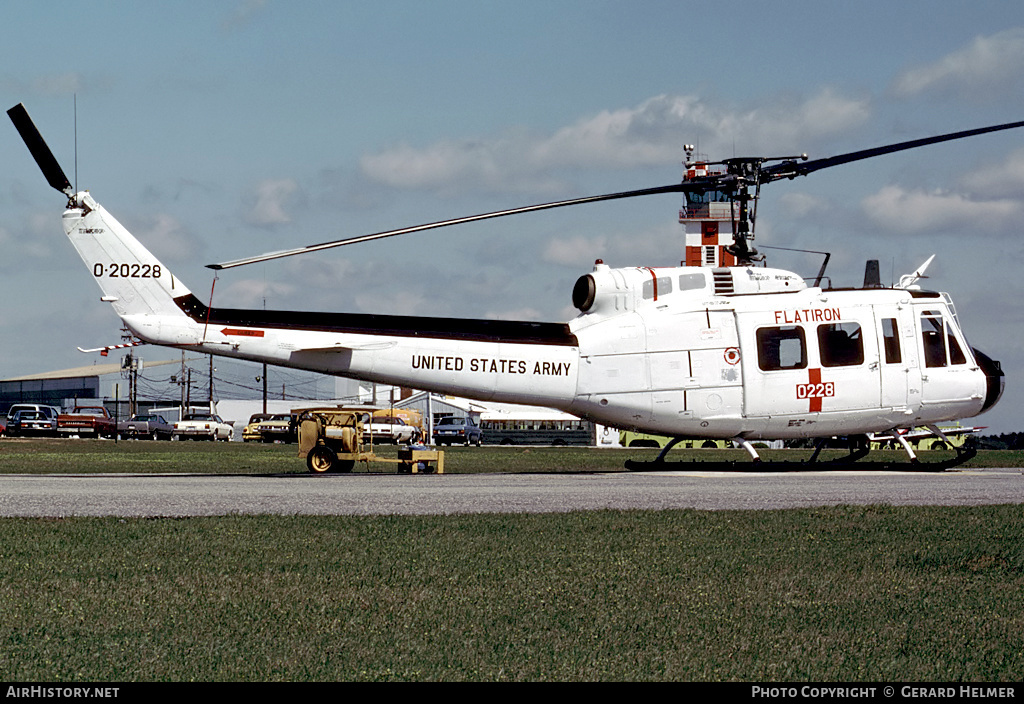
859 449
660 464
742 442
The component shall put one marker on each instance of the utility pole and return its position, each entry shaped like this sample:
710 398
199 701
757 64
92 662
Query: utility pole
130 371
181 382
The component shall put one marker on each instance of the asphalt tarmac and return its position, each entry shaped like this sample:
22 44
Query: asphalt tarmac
382 494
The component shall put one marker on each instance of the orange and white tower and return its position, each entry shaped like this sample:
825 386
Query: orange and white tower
707 218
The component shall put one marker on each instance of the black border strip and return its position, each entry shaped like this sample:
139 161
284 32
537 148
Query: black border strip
510 331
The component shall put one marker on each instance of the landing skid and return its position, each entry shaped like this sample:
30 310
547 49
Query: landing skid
858 450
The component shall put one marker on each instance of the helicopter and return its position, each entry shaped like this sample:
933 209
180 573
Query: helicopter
720 347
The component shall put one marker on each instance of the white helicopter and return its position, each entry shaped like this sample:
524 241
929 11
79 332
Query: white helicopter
733 351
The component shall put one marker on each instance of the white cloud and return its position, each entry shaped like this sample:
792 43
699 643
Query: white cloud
271 200
800 205
991 198
167 238
908 211
658 245
243 13
649 134
58 84
395 303
35 245
486 163
61 84
322 271
525 313
987 62
1004 180
252 293
574 251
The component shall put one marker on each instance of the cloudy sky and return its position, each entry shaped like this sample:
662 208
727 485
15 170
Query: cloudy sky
216 130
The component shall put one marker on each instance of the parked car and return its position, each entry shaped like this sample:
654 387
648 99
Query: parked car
146 425
457 429
48 411
202 426
389 429
251 431
26 423
279 427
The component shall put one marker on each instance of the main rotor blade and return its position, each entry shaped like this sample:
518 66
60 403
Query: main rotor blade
688 187
792 169
789 168
37 146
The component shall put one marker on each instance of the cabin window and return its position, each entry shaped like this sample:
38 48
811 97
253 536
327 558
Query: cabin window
939 339
891 341
691 282
781 348
956 354
841 345
933 338
664 287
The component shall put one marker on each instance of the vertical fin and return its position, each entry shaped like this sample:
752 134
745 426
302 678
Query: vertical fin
131 278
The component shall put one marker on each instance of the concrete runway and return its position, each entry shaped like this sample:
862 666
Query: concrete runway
375 494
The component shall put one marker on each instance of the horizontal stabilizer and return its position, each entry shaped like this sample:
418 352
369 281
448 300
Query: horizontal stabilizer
367 347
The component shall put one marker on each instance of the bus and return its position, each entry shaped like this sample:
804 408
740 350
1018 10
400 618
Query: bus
628 438
526 431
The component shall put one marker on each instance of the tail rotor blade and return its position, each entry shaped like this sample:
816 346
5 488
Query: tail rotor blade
40 152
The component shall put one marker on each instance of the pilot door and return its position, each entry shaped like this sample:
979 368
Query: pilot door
899 364
803 363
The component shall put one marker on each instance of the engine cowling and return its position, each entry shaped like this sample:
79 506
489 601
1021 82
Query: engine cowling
602 290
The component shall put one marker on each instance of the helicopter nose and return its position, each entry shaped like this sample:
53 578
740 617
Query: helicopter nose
994 377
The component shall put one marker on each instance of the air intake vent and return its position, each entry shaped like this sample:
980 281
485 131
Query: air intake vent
723 281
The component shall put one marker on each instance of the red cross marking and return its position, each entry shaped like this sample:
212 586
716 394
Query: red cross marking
815 390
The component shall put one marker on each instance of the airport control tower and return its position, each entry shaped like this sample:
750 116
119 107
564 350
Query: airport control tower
707 219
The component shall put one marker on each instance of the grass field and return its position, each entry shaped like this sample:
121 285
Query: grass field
43 456
862 593
848 593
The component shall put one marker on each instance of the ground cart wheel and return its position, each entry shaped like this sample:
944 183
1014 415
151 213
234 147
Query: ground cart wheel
321 459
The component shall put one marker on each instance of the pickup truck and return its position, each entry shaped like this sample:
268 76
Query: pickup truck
146 425
94 421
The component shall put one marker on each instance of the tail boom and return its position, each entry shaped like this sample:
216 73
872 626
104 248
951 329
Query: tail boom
483 359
